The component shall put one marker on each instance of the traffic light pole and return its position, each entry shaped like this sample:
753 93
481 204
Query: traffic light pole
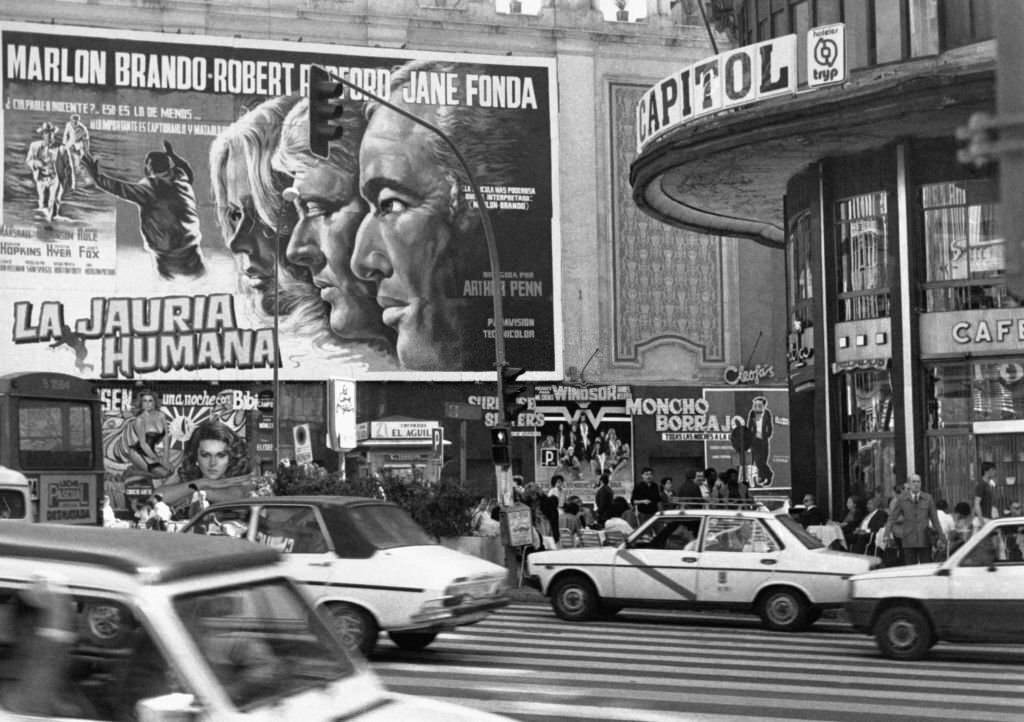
485 219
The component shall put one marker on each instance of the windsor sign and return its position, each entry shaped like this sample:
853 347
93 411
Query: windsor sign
739 77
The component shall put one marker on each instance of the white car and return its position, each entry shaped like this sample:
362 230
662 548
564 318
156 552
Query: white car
739 559
976 595
367 563
174 628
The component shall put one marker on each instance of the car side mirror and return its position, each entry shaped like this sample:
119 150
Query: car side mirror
942 572
991 568
176 707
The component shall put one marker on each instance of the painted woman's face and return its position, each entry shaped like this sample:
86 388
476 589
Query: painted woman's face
213 458
148 403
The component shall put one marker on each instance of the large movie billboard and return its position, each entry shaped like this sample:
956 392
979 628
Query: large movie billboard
164 218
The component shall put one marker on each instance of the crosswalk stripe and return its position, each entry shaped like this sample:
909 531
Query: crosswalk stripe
526 663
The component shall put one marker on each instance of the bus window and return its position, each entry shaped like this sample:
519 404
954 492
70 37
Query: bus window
55 434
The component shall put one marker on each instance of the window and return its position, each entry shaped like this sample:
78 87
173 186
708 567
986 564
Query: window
862 234
732 534
92 684
964 252
889 28
801 266
669 533
54 434
924 27
866 401
12 504
291 529
231 521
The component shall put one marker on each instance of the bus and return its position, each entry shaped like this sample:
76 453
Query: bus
51 445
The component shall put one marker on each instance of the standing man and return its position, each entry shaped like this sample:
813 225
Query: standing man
423 237
168 211
985 496
603 498
557 489
914 510
759 423
646 495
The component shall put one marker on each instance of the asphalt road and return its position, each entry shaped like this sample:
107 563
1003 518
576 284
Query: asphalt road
525 663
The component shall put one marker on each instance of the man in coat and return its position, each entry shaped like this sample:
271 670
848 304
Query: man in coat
915 513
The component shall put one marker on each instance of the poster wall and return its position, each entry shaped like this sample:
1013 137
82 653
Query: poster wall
586 431
162 216
746 428
159 440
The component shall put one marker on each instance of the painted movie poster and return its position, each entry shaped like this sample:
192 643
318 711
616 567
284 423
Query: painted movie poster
163 216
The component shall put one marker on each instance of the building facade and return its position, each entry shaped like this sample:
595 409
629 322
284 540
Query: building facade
199 289
903 351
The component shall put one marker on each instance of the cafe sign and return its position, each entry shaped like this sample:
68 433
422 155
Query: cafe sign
976 333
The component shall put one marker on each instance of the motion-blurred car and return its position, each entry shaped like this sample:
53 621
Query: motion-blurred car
367 563
976 595
739 559
197 630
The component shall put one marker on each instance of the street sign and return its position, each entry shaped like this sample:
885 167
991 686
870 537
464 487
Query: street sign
461 410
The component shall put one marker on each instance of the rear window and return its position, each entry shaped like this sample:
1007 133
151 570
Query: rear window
385 527
806 538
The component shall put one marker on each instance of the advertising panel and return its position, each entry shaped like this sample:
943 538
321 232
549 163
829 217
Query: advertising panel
746 428
585 432
163 216
163 440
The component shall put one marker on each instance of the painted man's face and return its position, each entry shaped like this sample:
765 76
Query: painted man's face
329 212
406 243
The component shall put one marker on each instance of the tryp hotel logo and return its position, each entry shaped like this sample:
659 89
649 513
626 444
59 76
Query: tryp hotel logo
739 77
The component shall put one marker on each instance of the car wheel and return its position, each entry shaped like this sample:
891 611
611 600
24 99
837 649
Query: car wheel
412 641
574 599
356 628
903 633
784 610
105 624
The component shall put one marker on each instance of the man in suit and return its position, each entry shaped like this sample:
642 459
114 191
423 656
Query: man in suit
914 510
864 534
690 491
812 515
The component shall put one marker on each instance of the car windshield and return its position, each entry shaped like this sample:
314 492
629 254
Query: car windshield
262 641
806 538
385 527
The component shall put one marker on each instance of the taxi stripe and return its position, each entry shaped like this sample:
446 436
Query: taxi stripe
658 576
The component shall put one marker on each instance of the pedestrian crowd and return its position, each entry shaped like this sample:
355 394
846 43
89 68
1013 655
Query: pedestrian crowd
153 513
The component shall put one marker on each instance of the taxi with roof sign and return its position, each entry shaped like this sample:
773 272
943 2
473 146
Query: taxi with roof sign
738 559
197 630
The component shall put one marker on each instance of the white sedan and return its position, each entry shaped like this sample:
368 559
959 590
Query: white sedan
744 560
977 595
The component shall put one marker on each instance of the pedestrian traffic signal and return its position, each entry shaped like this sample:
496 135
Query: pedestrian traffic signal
325 110
500 446
511 392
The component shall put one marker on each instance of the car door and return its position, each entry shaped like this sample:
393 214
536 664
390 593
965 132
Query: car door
659 564
985 588
738 556
297 531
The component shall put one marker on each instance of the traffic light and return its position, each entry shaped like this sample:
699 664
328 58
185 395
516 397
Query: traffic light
325 110
500 446
510 392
